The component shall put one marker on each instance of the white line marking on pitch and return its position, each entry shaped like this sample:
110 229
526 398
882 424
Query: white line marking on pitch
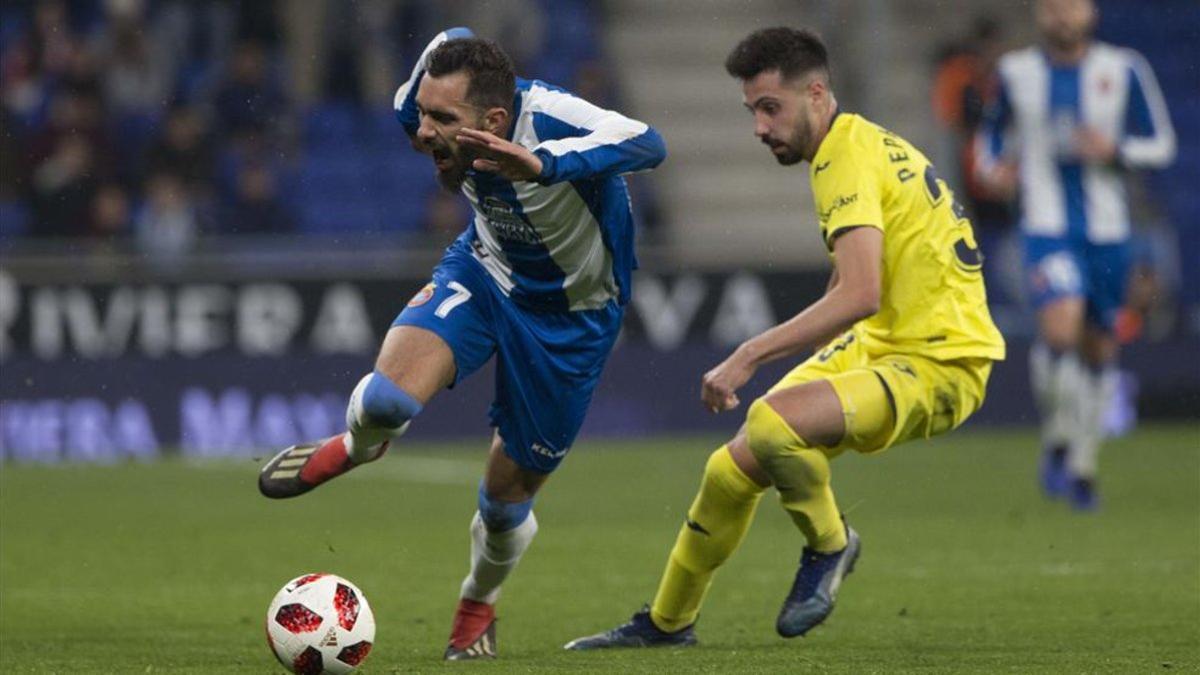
434 470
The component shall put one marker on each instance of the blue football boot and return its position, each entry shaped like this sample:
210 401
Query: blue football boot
1083 494
1052 472
640 631
815 589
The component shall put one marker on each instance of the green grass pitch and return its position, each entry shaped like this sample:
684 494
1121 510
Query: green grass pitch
169 567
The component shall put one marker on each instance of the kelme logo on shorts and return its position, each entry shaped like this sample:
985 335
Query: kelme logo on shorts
552 454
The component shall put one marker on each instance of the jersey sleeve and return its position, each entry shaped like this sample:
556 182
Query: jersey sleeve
847 192
581 140
1149 139
405 101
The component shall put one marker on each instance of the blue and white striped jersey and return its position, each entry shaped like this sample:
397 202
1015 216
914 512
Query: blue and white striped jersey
1039 108
564 242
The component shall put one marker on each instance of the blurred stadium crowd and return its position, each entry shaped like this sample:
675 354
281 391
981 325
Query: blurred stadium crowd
159 121
190 189
149 125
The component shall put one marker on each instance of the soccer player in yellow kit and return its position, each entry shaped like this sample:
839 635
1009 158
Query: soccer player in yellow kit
904 344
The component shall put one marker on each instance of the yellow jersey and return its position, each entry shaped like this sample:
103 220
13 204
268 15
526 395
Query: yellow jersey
932 302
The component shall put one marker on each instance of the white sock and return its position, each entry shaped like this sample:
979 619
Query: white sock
1094 393
493 556
367 444
1056 381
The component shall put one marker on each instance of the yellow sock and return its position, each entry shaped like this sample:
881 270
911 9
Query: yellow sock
801 473
716 524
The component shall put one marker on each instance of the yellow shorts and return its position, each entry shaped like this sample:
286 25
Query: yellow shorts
892 398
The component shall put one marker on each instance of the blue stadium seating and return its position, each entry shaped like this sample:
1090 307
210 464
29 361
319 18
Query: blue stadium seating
14 218
1169 37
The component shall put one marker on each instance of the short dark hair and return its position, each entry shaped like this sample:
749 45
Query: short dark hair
492 82
791 51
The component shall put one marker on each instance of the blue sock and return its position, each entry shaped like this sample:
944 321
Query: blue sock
501 516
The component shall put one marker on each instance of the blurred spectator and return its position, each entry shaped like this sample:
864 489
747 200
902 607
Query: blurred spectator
23 92
111 211
357 52
12 177
144 118
53 40
82 75
33 63
563 54
168 223
137 79
184 149
964 84
258 22
198 35
1155 274
71 150
257 207
63 185
78 114
518 25
249 103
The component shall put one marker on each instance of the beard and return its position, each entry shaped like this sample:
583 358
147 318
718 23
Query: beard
461 158
1065 39
789 157
792 148
1065 36
451 178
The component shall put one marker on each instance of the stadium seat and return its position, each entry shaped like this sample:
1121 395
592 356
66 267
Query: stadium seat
14 218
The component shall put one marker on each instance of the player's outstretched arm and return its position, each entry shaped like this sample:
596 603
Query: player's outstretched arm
853 296
581 140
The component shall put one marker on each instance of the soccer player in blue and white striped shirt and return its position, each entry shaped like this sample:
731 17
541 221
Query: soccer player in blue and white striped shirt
1072 117
539 279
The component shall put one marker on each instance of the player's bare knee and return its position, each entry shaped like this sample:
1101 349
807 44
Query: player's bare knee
417 360
1061 338
1061 328
1098 348
507 480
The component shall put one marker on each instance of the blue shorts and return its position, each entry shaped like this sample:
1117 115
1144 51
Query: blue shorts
547 363
1059 268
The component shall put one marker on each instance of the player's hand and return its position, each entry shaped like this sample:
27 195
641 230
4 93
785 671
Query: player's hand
718 387
503 158
1094 147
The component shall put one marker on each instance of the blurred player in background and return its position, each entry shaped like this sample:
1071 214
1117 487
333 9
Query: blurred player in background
1072 116
965 83
539 279
908 344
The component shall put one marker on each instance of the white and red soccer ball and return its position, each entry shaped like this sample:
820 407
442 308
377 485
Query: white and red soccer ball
320 623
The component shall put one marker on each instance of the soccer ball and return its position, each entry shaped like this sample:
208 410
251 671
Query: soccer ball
320 623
